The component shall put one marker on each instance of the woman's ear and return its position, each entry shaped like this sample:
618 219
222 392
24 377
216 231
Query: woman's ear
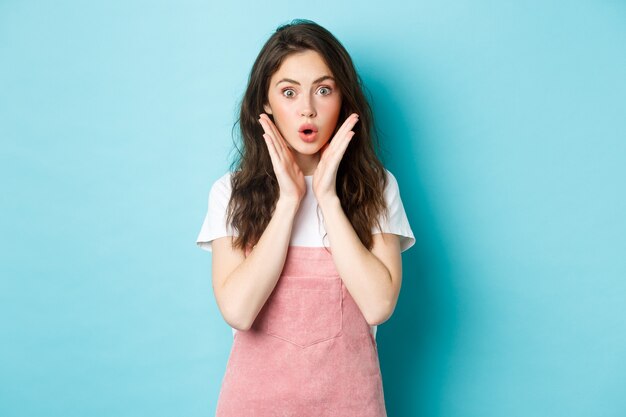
267 108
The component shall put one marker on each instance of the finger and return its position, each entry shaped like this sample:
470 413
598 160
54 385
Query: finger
274 156
323 151
269 125
335 154
343 145
346 127
265 123
284 144
271 129
339 144
275 131
348 124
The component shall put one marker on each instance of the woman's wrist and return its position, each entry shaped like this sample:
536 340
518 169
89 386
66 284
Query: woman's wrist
287 206
329 202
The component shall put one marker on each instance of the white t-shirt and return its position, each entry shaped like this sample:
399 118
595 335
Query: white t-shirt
308 229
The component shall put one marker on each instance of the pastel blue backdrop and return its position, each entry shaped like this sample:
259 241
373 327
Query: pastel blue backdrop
504 123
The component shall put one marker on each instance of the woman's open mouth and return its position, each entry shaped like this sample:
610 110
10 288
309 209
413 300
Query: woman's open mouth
308 132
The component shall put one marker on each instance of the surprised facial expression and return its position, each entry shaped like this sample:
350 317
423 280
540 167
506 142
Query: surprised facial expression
304 101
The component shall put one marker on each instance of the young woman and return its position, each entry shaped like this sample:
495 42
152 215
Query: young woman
306 236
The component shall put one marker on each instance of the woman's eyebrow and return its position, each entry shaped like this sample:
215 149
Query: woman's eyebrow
319 80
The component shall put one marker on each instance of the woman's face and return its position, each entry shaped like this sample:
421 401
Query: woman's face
305 103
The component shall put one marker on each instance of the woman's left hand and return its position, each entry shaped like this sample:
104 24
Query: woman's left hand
325 175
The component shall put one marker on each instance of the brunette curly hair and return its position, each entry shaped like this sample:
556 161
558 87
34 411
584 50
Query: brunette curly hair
361 176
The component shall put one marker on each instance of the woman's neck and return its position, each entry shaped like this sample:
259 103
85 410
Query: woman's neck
307 163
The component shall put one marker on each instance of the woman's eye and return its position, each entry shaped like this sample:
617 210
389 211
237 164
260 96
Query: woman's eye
289 93
324 91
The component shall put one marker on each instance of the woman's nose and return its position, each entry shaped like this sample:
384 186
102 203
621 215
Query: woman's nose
307 109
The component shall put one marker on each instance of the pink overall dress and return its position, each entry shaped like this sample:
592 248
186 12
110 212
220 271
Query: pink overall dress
310 351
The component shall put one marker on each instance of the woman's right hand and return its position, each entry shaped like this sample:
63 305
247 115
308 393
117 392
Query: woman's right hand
290 177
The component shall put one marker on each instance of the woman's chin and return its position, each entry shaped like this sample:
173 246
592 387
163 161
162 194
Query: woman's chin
307 148
310 150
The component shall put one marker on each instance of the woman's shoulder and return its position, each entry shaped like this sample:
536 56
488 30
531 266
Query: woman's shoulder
221 190
224 180
395 221
222 184
392 183
389 174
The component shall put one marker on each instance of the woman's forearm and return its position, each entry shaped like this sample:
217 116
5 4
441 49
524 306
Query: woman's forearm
367 279
248 286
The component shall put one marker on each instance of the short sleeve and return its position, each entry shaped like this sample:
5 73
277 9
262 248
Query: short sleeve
214 225
396 222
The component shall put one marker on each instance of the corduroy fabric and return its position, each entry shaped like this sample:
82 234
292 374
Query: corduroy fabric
310 351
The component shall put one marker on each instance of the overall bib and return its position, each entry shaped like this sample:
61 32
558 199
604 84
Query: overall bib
309 353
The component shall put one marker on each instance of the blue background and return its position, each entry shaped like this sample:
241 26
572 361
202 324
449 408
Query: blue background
504 123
